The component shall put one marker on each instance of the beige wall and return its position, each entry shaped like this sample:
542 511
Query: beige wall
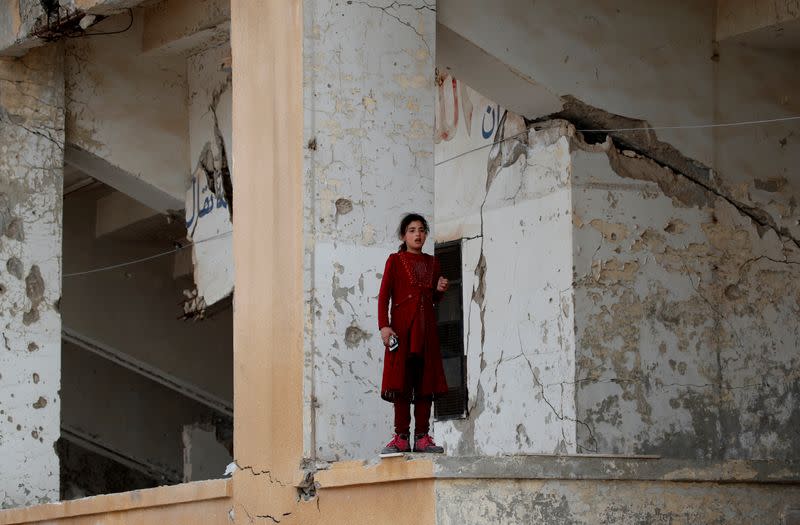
266 39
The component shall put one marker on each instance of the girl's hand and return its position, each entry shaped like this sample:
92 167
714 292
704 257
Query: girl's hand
386 331
442 285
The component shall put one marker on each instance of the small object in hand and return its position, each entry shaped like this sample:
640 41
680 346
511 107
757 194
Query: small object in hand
393 343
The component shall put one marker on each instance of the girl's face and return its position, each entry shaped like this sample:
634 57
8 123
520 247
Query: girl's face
415 236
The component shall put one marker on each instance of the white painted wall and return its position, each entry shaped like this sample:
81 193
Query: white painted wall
31 172
368 99
208 214
519 338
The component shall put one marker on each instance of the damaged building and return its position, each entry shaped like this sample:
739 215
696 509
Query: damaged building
613 196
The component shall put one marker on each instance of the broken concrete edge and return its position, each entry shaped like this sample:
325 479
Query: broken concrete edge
619 133
412 468
43 28
368 472
546 467
617 469
124 501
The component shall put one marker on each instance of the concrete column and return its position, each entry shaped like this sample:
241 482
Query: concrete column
31 180
267 247
368 97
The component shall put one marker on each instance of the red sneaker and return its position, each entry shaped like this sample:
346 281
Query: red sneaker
425 444
399 443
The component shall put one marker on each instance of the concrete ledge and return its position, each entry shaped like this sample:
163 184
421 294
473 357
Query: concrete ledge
642 468
346 473
124 501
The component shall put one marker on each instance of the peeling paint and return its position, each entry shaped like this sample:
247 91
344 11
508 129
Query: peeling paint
31 160
14 267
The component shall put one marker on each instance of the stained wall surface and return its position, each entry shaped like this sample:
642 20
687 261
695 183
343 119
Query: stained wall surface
31 171
368 98
510 205
702 268
584 502
674 335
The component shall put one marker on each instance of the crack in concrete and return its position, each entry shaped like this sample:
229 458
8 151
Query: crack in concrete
255 472
711 305
645 142
4 117
395 5
760 257
559 416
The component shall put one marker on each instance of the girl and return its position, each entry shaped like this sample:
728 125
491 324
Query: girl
412 371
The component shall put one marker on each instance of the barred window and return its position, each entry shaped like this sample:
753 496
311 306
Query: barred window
450 311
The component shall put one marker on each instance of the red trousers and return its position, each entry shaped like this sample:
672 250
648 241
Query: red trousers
422 416
422 405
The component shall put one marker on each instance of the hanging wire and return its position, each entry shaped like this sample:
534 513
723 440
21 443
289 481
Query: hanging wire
599 130
148 258
644 128
85 34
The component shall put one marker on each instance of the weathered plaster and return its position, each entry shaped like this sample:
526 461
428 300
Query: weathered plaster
584 502
759 163
683 337
209 199
739 17
685 324
31 164
368 98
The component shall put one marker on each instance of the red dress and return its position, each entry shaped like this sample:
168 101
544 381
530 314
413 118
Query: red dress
410 280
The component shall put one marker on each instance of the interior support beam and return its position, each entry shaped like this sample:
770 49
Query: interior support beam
737 17
144 369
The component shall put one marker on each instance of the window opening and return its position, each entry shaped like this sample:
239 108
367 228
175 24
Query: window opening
450 326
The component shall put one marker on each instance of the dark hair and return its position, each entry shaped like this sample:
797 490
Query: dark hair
408 219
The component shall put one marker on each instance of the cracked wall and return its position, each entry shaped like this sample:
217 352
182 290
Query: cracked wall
687 330
31 170
675 335
209 199
368 98
510 204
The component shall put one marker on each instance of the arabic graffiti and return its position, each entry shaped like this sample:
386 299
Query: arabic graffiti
453 98
492 112
211 201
